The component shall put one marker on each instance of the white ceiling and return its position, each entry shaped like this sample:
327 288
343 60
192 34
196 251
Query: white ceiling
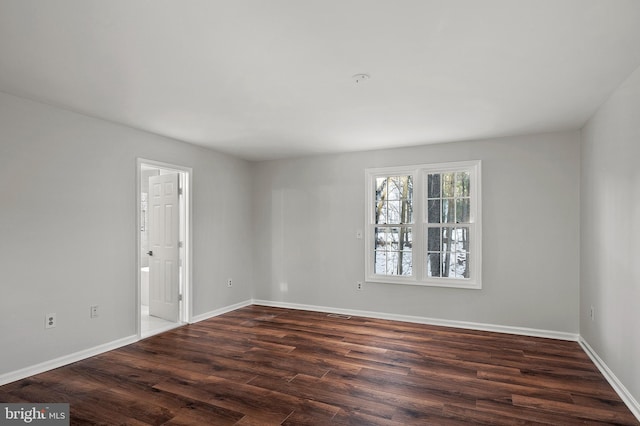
270 79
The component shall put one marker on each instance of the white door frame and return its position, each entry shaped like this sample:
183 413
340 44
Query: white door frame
185 315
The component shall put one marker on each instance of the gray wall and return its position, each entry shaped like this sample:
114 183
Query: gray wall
68 228
308 210
610 204
285 231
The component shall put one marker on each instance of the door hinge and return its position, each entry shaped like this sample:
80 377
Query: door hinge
179 298
179 191
180 244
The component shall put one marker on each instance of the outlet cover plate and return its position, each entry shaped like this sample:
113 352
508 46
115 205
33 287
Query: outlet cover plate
50 320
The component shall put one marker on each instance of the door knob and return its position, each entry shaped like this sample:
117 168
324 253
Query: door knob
150 252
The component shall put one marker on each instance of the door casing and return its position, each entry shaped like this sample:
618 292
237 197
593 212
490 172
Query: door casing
186 218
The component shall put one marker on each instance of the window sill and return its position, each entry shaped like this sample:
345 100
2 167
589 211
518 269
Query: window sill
446 283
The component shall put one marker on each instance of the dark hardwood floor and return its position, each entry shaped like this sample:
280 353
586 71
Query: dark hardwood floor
270 366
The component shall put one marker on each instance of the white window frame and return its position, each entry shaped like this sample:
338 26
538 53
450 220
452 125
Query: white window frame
420 225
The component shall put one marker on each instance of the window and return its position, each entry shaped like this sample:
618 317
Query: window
423 225
393 225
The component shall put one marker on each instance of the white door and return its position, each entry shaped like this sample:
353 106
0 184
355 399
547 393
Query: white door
164 271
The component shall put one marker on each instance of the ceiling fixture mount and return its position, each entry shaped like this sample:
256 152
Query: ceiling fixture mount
359 78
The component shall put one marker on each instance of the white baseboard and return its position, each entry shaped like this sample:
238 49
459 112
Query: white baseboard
220 311
523 331
12 376
616 384
622 391
64 360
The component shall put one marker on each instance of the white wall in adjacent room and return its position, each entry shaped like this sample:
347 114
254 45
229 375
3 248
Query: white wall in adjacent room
307 212
68 229
610 205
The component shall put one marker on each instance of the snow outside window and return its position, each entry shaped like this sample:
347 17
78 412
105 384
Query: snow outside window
423 225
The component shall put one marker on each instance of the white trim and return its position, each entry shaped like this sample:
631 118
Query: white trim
616 384
65 359
420 225
220 311
523 331
187 303
32 370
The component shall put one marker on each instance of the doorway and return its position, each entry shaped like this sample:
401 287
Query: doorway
163 249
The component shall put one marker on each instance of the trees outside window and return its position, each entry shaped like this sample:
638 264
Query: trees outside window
424 225
448 222
394 225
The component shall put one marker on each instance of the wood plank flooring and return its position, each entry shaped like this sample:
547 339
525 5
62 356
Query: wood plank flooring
270 366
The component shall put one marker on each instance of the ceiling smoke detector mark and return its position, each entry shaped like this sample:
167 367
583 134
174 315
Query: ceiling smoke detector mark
360 78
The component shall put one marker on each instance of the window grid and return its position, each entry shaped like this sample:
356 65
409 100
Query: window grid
393 211
448 207
438 247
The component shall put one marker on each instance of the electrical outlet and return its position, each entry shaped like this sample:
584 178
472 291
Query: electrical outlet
358 285
93 311
50 320
229 282
592 313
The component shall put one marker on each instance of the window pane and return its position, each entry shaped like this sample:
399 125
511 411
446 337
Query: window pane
393 212
392 263
434 211
463 207
448 264
400 187
462 184
398 239
447 238
398 263
381 189
406 239
448 211
448 184
433 265
380 263
393 251
406 261
433 239
394 200
461 243
433 185
394 188
397 212
392 238
461 267
453 262
458 239
381 239
406 214
380 210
